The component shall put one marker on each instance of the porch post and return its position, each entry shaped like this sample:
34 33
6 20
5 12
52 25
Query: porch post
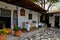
38 20
17 12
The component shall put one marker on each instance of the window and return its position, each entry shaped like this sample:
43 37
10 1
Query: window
5 12
30 16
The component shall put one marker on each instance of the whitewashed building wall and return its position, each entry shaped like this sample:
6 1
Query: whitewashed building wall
20 18
52 19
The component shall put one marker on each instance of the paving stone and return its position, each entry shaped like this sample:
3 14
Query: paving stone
57 38
44 34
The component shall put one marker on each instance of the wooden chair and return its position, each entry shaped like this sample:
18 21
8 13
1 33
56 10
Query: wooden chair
23 24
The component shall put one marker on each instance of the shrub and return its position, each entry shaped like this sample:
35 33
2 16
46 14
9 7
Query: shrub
16 28
3 32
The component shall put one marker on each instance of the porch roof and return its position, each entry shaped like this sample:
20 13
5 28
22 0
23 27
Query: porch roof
56 12
26 4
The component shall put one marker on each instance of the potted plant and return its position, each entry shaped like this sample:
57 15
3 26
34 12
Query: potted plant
17 31
33 21
3 34
8 29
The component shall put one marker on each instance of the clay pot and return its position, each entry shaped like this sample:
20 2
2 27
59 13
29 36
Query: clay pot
2 37
17 33
9 30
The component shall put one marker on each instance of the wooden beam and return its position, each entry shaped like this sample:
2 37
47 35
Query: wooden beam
26 4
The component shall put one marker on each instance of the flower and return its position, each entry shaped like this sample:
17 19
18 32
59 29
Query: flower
3 31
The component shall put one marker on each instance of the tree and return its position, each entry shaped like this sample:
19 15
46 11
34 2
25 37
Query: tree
42 3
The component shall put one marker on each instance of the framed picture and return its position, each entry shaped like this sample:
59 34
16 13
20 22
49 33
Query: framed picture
22 12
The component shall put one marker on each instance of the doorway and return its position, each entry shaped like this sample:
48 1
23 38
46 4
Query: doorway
6 21
47 20
57 21
5 18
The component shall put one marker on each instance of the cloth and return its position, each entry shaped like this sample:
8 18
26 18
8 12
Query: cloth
36 25
28 27
40 24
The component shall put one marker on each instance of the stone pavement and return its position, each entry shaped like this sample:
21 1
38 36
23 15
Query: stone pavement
12 37
41 34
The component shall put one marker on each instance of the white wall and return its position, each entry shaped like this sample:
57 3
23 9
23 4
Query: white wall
20 18
25 18
52 19
9 6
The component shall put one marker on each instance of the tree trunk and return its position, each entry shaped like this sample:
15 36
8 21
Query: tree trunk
44 4
49 6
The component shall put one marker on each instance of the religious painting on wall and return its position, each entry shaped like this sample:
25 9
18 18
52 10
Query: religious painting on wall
22 12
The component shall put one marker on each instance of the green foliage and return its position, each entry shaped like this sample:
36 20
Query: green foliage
0 21
34 21
16 28
3 31
35 0
53 1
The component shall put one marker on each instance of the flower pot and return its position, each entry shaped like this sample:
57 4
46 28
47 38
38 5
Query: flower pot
2 37
9 30
17 33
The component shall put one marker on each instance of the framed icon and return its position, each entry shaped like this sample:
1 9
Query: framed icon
22 12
